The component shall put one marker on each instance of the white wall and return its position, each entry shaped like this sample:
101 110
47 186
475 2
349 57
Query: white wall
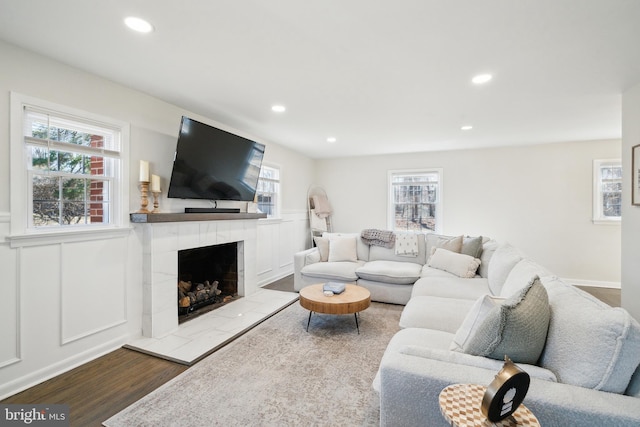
539 198
66 303
630 214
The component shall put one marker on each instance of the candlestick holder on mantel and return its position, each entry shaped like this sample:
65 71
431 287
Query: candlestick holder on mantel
156 195
144 200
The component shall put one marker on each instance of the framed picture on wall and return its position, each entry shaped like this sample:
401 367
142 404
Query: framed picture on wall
635 173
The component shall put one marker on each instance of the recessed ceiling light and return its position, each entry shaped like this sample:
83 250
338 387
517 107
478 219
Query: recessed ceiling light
278 108
466 127
138 24
331 139
481 79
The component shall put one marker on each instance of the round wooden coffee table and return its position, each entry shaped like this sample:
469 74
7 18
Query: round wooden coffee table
353 300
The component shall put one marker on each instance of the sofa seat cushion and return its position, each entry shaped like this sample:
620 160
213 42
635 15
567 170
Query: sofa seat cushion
413 336
434 272
470 360
386 292
342 271
589 344
451 287
442 314
431 338
394 272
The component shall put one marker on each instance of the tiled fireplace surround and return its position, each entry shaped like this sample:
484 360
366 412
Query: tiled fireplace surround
161 243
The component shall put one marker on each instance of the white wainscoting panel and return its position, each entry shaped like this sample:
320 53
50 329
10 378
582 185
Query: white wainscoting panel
40 282
278 240
267 237
9 303
287 244
93 288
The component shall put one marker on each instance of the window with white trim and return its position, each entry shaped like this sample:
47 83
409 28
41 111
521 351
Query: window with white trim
72 167
415 200
268 193
607 191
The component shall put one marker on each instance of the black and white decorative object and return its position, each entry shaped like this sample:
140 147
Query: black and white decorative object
506 392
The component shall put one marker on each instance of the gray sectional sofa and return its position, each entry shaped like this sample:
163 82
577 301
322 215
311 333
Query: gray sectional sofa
583 356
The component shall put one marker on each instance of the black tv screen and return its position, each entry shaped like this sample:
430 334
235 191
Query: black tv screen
214 164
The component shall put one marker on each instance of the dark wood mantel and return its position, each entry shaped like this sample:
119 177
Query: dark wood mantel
143 218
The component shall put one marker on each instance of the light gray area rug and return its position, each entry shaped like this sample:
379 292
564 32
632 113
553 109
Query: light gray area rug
277 374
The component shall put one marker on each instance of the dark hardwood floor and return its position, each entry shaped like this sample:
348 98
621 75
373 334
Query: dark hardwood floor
608 295
103 387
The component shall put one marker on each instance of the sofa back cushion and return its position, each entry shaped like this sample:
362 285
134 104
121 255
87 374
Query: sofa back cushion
378 253
523 272
488 249
589 343
502 262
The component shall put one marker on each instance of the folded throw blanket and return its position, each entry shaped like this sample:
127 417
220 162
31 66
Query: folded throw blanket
322 206
407 244
374 237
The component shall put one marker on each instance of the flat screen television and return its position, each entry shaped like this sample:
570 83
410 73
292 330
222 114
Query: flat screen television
213 164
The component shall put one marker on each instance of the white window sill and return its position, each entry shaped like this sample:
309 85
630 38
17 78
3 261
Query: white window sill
54 237
606 221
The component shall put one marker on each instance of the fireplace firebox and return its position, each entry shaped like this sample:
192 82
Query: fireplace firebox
207 279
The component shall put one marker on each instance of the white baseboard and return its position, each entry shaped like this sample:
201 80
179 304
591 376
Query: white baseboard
593 283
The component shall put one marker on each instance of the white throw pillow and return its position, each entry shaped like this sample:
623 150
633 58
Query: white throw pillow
343 249
475 317
323 246
459 264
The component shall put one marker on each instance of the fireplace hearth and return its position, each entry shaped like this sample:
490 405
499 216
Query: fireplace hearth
207 279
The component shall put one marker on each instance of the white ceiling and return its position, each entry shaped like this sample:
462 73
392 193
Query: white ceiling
380 76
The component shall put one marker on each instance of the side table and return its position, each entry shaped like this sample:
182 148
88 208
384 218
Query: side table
460 406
